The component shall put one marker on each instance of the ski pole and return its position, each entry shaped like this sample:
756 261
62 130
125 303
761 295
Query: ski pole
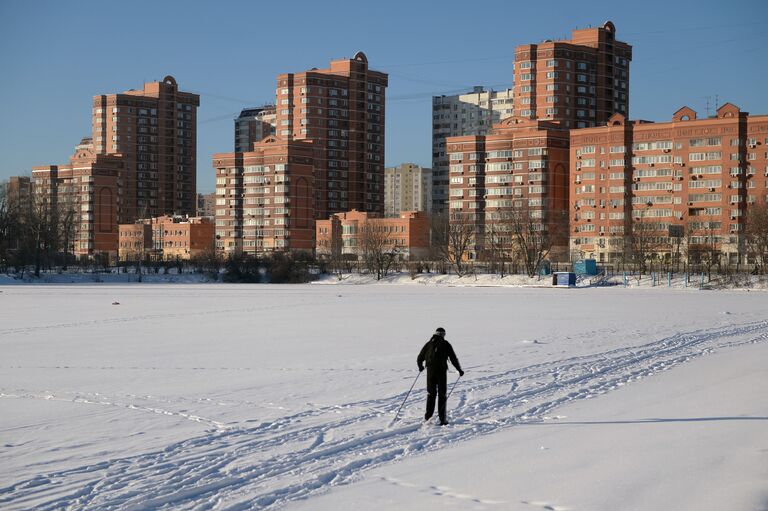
453 387
406 396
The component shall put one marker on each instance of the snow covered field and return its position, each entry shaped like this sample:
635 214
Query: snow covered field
249 397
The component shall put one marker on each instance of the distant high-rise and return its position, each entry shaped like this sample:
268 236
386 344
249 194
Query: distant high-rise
253 125
206 204
407 187
473 113
342 110
155 132
580 81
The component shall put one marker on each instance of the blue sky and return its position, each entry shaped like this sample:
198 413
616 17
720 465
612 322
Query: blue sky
55 56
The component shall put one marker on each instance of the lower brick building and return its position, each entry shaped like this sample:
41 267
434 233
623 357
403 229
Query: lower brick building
265 197
518 172
166 238
82 197
671 192
406 236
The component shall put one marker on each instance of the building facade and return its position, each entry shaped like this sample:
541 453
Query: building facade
206 204
154 130
166 238
265 197
407 187
514 177
253 125
82 198
342 110
676 191
472 113
580 81
19 190
406 236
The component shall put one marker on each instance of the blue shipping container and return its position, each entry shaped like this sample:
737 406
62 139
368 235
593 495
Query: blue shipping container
585 267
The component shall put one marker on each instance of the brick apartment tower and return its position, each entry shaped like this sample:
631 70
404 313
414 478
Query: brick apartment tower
84 194
264 197
342 110
640 182
581 81
155 131
521 165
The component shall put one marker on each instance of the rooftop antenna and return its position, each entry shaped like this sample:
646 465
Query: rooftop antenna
708 98
717 101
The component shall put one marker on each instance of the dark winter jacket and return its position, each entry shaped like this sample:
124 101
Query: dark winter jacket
436 354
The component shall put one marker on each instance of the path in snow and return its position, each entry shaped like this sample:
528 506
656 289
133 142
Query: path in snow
272 463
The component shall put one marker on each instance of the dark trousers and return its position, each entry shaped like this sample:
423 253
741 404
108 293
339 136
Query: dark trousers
437 383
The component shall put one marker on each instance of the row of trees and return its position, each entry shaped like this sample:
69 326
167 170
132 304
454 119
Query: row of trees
511 239
36 232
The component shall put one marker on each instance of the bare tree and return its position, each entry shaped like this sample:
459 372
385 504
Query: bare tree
703 247
643 239
499 244
41 221
336 257
376 248
68 217
756 235
452 239
9 226
534 236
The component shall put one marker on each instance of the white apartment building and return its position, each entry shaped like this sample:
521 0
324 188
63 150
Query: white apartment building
472 113
407 187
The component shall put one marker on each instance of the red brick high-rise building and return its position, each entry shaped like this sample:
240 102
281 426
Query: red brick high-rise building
515 177
82 198
580 81
674 191
341 109
264 197
155 132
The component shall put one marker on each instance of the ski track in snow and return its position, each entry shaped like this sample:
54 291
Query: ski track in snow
296 456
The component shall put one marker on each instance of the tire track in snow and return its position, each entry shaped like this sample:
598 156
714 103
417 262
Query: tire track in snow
296 456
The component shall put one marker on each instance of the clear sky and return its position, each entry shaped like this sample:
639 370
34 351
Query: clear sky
55 56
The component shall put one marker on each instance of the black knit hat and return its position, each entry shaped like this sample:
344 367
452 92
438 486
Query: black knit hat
440 331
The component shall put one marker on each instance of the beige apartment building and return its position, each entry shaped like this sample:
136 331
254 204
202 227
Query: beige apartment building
407 187
675 191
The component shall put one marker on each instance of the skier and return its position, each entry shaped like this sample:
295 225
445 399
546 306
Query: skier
436 354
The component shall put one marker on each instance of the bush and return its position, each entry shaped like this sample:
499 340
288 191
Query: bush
241 268
288 268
